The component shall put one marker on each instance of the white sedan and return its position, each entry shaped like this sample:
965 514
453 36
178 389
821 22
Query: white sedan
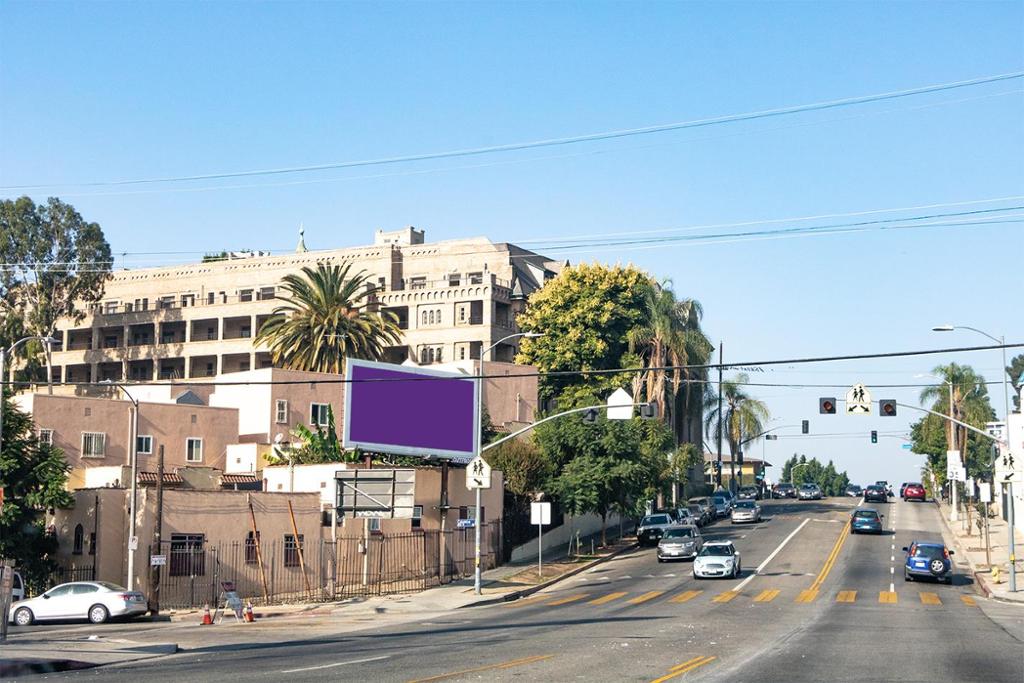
717 559
96 601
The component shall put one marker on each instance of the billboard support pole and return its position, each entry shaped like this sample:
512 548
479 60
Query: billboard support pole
476 451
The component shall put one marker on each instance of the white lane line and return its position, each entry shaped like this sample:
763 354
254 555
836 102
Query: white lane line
892 587
768 559
892 558
331 666
860 502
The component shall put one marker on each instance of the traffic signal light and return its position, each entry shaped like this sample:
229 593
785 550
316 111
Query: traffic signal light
805 426
874 436
887 407
649 410
590 416
827 406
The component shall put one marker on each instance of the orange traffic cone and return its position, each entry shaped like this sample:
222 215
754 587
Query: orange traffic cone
249 616
207 620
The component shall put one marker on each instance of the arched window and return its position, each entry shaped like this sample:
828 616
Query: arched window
430 355
423 356
438 357
424 316
431 317
439 316
79 539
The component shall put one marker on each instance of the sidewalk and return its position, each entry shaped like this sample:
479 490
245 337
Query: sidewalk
972 549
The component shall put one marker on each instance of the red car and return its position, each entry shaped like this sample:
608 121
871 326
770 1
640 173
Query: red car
914 492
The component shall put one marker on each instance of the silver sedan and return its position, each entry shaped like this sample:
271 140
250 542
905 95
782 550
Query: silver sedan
746 511
680 543
96 601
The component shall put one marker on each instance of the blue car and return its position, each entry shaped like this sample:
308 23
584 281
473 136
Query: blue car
866 520
928 561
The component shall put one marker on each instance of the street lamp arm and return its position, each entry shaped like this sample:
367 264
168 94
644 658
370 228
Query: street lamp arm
981 332
1002 443
548 419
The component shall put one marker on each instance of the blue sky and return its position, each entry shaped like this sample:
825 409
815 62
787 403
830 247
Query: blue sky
107 91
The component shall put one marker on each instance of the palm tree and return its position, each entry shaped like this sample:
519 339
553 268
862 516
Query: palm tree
970 401
743 417
324 318
670 338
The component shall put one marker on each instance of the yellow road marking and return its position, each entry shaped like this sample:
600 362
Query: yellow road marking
685 667
567 600
645 597
725 597
968 600
887 597
930 599
831 560
607 598
766 596
846 596
807 595
686 596
500 665
527 601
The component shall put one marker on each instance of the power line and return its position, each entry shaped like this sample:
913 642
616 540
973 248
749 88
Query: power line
592 137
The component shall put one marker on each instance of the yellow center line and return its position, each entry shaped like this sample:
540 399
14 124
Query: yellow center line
686 596
930 599
831 560
725 597
499 665
687 663
766 596
807 595
887 597
968 600
607 598
846 596
567 600
684 668
645 597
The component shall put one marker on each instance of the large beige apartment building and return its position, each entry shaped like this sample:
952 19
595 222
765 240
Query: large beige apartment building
451 298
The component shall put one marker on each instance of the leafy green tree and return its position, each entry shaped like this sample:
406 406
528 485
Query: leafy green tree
325 317
523 465
585 314
682 464
58 265
33 476
831 481
1016 372
743 417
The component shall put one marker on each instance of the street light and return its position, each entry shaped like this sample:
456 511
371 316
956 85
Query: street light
1006 421
476 444
954 514
3 360
133 541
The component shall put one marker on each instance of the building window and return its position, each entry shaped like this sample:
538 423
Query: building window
94 444
165 302
430 317
79 540
144 444
418 283
92 542
266 293
110 307
46 436
476 278
438 316
423 318
374 524
417 516
454 280
193 449
250 547
187 555
292 549
318 414
462 353
281 411
209 298
245 295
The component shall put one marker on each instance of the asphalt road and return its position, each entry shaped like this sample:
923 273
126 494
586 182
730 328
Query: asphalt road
823 605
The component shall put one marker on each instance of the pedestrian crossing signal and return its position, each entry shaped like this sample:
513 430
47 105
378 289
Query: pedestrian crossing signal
827 406
874 436
887 407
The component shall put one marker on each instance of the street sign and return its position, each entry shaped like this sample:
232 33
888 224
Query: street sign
906 446
969 485
620 405
465 524
478 474
985 492
540 513
959 474
133 543
952 463
157 560
858 400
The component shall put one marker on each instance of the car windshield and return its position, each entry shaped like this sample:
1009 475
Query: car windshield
698 501
719 500
716 551
784 486
808 487
654 519
866 514
745 505
685 532
695 509
874 488
929 552
111 586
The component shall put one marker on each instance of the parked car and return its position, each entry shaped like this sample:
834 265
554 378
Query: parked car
722 505
875 494
699 514
745 511
809 491
914 491
653 527
866 520
679 544
96 601
671 512
706 505
747 493
784 490
686 517
928 560
717 558
854 491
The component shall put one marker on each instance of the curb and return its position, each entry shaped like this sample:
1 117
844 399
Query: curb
980 583
524 592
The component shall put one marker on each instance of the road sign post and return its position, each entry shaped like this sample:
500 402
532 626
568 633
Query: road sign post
540 514
478 477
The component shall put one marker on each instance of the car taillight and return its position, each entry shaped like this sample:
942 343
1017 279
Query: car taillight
945 553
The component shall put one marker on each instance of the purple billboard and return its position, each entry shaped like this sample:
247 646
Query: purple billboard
409 410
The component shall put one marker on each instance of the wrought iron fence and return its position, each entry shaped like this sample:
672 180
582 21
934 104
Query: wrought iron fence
195 571
69 574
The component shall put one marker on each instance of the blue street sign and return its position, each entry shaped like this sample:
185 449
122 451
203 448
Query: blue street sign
906 446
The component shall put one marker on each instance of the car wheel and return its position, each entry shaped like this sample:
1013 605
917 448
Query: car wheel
937 567
98 614
23 616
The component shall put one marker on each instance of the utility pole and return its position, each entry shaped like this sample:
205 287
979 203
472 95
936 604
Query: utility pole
718 448
157 532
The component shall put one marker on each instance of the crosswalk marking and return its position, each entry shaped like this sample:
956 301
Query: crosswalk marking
930 599
846 596
807 595
686 596
725 597
887 597
607 598
568 599
766 596
968 600
645 597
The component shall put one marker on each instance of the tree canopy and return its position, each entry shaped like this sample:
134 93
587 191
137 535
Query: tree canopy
831 481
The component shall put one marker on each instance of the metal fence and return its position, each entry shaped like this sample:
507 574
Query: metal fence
384 563
73 573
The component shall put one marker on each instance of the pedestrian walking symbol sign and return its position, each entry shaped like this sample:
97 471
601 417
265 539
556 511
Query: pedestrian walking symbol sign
858 400
478 474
